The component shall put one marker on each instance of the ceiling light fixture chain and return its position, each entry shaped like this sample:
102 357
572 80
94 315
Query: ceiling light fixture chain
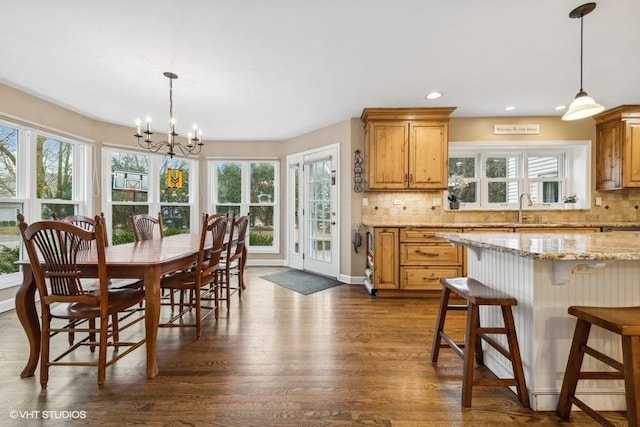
583 105
194 140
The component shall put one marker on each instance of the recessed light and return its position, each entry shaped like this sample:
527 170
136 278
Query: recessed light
510 108
560 107
433 95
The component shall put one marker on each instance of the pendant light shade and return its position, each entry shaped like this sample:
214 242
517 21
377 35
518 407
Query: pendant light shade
583 105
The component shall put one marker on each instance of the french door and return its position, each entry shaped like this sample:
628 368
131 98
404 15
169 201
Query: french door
313 212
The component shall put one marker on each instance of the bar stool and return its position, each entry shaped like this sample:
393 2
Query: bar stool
624 321
477 294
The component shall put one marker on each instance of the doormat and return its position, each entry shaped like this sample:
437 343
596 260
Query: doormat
301 281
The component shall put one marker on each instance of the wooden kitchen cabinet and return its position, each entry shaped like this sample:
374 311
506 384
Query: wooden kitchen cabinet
386 258
618 148
410 261
425 259
406 148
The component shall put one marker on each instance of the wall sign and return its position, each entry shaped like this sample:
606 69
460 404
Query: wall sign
531 129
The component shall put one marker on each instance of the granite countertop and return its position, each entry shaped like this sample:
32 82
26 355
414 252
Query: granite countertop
387 223
555 246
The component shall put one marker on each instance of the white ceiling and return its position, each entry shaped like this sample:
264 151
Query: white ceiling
274 69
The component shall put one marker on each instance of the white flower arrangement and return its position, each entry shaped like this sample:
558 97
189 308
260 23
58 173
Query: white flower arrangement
456 184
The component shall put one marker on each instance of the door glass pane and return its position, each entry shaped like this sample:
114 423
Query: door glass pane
296 204
10 240
8 157
54 163
319 217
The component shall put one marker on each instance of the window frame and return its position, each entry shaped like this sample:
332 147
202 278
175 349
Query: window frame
573 156
26 182
153 201
245 202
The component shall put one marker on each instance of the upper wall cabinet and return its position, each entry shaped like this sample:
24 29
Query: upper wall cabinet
618 148
406 148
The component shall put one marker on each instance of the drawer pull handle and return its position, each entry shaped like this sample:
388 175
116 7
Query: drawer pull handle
426 253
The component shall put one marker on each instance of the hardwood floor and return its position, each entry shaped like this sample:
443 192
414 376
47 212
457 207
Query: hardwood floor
334 358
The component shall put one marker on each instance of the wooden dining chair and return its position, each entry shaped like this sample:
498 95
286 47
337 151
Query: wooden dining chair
144 225
201 282
234 260
89 224
54 248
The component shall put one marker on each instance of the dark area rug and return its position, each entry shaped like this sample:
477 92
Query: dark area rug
301 281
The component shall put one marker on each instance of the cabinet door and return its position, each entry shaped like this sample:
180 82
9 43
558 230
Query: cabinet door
631 175
386 256
427 155
609 155
387 155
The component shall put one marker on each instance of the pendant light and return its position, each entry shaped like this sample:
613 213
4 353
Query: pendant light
583 105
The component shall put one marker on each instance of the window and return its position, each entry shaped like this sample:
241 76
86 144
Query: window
492 176
40 173
150 183
248 187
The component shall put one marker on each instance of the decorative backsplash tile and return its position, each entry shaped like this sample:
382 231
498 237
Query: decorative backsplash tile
419 208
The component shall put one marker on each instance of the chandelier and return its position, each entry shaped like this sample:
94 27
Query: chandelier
194 139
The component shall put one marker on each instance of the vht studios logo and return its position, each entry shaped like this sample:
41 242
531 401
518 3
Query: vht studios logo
48 415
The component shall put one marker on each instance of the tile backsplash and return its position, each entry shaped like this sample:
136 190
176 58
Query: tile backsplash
419 208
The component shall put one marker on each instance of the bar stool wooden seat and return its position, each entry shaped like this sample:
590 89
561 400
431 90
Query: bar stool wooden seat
476 295
624 321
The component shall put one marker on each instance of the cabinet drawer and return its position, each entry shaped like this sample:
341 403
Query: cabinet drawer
435 254
421 278
424 235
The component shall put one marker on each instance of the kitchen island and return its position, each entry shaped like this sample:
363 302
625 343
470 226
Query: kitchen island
547 273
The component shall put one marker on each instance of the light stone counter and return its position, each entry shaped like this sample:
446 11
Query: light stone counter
547 273
565 246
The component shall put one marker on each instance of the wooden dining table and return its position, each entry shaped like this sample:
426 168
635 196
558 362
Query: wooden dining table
148 260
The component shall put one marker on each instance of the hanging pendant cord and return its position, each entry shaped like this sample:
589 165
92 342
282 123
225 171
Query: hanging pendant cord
581 49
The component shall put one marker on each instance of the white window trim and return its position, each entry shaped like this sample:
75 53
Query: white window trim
244 204
27 180
577 159
153 193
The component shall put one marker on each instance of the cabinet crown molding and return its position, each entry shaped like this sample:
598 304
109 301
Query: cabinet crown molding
441 113
621 113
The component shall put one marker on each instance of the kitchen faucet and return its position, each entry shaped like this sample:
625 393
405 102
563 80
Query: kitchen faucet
520 205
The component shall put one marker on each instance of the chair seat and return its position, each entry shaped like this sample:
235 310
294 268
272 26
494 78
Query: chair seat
92 285
119 299
621 320
183 281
